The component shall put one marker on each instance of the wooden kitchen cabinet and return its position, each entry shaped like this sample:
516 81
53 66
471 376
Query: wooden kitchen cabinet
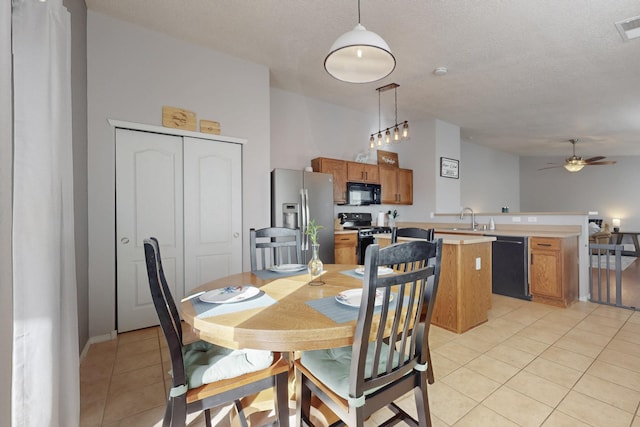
337 168
362 172
397 185
345 248
553 272
464 291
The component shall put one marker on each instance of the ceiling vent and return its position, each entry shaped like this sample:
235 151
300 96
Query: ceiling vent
629 28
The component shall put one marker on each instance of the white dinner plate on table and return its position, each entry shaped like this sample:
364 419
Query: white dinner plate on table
353 297
288 268
381 270
230 294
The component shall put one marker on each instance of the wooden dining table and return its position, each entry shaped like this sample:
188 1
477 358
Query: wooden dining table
282 317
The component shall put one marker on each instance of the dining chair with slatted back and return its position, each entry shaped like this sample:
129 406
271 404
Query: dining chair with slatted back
415 232
204 375
358 380
274 246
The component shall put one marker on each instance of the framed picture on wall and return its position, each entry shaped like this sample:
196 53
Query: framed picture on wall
449 168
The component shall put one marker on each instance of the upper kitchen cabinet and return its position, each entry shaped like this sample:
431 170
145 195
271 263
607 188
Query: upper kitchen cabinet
337 168
397 185
362 172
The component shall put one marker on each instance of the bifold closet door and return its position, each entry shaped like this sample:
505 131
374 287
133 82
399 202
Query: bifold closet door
212 211
149 202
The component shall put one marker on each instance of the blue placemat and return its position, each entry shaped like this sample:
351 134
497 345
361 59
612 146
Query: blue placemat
268 274
352 273
340 313
206 309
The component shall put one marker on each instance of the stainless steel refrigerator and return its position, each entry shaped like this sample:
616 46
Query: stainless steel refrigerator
298 197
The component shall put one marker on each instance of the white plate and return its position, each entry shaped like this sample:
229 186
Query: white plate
288 268
381 270
353 297
230 294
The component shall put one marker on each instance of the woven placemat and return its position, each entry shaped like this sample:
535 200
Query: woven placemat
268 274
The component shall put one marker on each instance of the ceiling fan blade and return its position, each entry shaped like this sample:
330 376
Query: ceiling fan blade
594 159
601 163
551 167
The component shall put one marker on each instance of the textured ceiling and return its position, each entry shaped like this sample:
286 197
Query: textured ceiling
524 76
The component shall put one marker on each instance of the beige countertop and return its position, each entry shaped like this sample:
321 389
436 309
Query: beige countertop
450 239
450 235
345 231
525 233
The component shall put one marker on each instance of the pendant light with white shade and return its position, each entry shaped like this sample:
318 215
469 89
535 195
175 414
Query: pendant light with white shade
359 56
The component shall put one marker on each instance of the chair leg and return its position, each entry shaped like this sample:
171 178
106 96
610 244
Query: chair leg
430 377
207 417
281 399
241 415
421 395
303 401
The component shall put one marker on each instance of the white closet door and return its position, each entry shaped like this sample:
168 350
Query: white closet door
212 209
149 202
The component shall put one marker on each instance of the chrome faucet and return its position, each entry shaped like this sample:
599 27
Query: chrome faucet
473 217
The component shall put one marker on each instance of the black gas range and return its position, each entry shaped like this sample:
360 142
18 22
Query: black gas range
362 222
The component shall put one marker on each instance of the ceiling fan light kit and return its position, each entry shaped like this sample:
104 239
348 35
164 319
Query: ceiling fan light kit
359 56
576 163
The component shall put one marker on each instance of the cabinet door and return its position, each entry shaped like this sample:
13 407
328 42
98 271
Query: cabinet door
405 186
338 168
388 184
545 274
148 204
362 172
345 248
212 211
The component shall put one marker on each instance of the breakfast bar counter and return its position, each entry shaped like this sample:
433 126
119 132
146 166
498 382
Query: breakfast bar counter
464 292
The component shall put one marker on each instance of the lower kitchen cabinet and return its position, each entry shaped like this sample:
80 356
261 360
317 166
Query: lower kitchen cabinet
553 272
345 248
464 291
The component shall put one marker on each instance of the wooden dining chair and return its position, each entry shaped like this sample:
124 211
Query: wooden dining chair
204 375
358 380
273 246
415 232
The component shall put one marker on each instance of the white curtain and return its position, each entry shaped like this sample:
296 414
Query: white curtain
45 383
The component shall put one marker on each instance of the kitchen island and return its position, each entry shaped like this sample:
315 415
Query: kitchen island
464 292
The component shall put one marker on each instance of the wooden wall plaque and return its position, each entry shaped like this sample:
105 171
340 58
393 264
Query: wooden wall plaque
388 158
179 118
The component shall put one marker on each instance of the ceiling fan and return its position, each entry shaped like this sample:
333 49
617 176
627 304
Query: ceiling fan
576 163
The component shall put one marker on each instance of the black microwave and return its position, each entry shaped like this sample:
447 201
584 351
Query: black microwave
360 194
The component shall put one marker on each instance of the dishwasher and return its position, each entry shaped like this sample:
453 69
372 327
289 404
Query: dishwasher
510 266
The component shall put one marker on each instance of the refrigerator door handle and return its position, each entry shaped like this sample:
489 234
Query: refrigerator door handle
303 218
307 217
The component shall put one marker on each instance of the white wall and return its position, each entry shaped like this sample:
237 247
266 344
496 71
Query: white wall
447 145
6 209
132 73
613 190
490 179
303 128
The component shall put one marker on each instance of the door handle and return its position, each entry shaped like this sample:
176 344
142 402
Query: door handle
236 235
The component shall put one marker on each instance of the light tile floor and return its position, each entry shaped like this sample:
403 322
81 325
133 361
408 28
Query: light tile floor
529 365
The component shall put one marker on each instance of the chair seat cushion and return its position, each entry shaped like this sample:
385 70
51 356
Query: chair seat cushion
206 363
332 366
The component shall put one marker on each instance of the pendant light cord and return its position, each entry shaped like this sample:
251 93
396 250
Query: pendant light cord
358 11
